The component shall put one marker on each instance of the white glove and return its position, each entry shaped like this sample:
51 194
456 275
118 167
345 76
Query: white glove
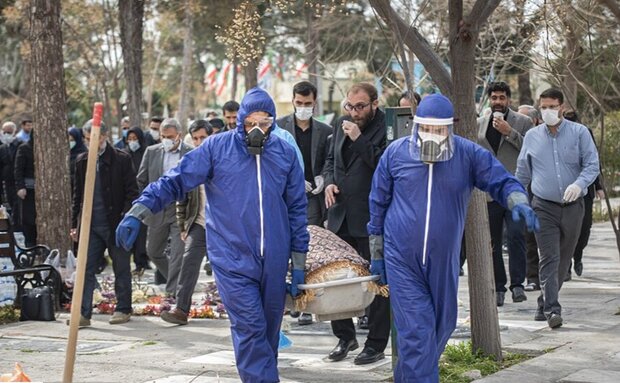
308 186
572 193
319 181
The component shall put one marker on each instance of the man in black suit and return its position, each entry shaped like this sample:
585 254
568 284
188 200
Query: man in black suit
357 144
8 152
311 136
312 139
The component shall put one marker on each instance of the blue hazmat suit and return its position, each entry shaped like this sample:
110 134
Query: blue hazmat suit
423 286
255 217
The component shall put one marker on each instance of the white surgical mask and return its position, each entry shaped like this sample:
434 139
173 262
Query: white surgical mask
303 114
7 138
133 145
550 117
71 144
168 144
155 134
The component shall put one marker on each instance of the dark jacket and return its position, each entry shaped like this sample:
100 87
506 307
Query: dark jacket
24 165
320 148
136 157
354 179
188 209
78 149
118 180
24 179
7 170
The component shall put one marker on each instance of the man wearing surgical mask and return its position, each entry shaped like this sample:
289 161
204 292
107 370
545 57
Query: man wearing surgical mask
558 161
418 204
311 138
152 135
159 159
8 151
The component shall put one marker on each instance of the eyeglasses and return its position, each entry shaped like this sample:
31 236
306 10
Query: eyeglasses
262 123
357 107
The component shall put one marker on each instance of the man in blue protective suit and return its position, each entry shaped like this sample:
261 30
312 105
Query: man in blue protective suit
418 203
255 222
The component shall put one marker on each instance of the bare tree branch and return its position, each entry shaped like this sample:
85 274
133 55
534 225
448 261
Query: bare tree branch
417 43
481 11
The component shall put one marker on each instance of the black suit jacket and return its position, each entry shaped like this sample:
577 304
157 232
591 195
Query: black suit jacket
355 178
319 147
118 181
7 169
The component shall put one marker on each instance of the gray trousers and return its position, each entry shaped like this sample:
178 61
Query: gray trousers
559 231
195 251
156 242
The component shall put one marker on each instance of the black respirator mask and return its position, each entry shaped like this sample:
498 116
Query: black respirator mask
255 140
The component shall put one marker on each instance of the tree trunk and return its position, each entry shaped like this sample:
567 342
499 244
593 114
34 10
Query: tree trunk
131 16
186 66
51 145
484 320
312 57
250 74
525 90
570 81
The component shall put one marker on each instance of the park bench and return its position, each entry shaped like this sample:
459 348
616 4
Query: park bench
27 273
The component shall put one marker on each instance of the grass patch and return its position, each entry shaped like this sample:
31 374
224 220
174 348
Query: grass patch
458 359
8 314
149 343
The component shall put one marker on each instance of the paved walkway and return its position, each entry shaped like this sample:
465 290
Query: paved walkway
585 350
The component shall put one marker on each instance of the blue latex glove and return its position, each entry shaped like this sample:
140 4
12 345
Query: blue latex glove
377 267
127 232
525 211
298 277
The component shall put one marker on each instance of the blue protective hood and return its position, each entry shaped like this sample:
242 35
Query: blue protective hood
434 109
255 100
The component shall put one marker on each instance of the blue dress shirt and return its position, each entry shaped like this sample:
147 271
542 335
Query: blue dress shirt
550 163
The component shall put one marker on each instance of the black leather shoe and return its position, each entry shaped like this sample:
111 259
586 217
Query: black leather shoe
362 323
578 268
342 349
368 355
499 296
518 295
540 315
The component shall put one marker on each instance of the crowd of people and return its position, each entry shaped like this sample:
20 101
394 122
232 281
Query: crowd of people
242 189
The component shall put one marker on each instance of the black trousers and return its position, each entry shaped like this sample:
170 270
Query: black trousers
499 217
531 256
586 225
378 311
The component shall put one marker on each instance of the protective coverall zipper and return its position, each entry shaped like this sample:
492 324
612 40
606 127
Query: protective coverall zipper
428 211
260 207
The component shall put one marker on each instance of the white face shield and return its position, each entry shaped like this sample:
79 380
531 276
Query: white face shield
432 140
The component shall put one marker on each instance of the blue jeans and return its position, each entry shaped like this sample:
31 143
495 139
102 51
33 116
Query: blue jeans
102 238
515 233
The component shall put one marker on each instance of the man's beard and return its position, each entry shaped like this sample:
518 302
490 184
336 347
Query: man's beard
499 108
364 121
